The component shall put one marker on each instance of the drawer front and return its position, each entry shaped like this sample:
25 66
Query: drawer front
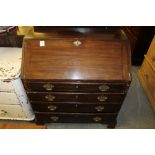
11 112
148 76
75 87
6 86
76 97
75 107
8 98
75 118
151 51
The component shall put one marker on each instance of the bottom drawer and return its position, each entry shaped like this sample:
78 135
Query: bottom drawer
13 112
75 117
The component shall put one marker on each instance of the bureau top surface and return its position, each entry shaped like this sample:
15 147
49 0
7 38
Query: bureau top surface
76 58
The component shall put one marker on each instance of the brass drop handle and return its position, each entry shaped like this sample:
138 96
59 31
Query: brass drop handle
97 119
48 86
3 112
99 108
102 98
49 97
52 107
77 43
103 88
54 118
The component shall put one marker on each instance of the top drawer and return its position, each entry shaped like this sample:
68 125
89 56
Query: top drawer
74 87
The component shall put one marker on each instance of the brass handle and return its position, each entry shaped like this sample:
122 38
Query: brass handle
97 119
77 43
52 107
102 98
49 97
99 108
3 112
48 86
54 118
103 88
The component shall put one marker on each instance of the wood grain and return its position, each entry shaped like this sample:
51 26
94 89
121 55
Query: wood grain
21 126
147 77
95 60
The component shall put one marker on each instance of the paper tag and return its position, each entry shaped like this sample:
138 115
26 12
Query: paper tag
42 43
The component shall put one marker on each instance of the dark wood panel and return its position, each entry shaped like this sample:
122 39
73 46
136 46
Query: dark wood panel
52 86
76 97
75 107
75 118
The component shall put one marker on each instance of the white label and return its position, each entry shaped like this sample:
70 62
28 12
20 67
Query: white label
42 43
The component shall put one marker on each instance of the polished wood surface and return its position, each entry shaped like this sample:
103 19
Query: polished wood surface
76 97
93 60
76 117
21 126
59 86
75 107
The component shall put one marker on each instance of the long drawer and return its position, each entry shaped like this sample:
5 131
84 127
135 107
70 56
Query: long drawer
76 97
75 117
8 98
12 112
75 87
75 107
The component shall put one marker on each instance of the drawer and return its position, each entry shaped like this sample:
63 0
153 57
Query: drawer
75 87
76 97
11 112
75 107
147 77
72 43
8 98
151 52
75 117
151 58
6 86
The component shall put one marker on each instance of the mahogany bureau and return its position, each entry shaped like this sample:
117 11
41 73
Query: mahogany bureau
76 76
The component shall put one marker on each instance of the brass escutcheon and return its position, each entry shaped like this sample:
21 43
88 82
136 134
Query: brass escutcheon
77 43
